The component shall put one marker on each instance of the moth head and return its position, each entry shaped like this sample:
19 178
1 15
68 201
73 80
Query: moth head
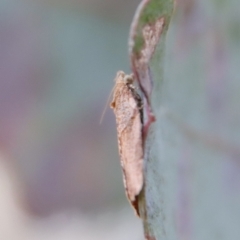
123 78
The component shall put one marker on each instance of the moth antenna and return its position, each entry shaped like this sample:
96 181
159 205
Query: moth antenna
106 105
119 73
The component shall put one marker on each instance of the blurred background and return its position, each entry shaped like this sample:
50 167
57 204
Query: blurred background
59 169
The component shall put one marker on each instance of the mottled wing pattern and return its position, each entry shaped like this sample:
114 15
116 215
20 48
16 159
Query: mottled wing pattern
127 108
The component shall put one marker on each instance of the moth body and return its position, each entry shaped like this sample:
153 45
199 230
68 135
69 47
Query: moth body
127 107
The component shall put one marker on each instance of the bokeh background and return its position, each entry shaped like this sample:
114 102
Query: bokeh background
59 169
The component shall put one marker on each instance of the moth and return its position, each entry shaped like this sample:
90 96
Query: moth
128 109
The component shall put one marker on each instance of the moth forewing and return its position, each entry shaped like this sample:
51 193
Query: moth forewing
127 106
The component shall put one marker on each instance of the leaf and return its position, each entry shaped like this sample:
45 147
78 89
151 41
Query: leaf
147 42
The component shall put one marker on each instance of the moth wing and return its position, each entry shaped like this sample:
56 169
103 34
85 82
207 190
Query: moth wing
129 127
132 155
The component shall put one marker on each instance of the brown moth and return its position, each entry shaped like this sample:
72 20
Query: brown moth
127 106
